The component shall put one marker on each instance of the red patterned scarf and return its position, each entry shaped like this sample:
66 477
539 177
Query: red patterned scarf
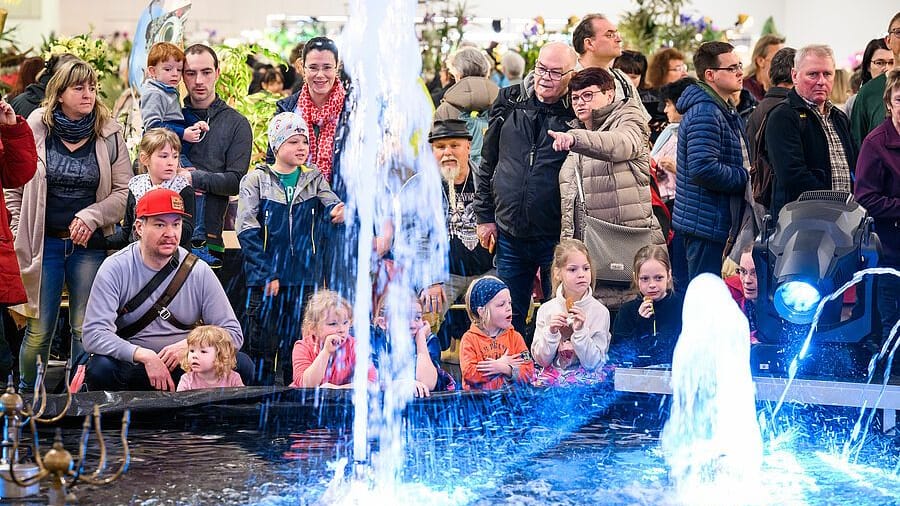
321 145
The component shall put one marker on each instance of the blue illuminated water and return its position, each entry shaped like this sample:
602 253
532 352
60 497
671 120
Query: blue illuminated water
568 447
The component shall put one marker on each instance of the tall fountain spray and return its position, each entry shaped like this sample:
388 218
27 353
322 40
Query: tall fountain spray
712 439
394 191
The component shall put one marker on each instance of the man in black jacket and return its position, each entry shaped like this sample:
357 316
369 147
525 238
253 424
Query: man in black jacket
808 138
517 203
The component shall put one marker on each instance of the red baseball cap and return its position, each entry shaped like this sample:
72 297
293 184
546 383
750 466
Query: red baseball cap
160 201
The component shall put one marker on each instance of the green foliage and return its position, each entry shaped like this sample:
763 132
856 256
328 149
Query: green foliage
640 28
661 23
234 81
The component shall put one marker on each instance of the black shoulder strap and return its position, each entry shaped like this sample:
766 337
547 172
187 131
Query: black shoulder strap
159 308
150 287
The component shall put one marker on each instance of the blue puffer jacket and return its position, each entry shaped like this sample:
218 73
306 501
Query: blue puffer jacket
281 240
710 164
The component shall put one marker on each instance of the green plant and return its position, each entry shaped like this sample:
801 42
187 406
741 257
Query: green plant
234 81
661 23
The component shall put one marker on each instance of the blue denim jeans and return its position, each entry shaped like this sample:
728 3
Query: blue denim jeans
63 264
518 260
199 218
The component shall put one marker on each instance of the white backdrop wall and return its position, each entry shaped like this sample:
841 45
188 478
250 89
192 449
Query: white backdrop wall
802 21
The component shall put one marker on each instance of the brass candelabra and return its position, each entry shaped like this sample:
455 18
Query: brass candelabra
23 479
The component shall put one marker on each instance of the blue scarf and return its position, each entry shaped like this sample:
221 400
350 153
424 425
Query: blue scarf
73 131
483 291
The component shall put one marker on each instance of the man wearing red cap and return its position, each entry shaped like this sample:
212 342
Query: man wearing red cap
137 343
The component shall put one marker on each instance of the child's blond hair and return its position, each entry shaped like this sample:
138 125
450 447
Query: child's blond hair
561 254
482 320
318 307
218 338
154 140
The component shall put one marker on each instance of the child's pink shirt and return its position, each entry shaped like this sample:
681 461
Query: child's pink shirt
340 366
193 381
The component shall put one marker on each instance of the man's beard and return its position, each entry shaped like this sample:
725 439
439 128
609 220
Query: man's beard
449 175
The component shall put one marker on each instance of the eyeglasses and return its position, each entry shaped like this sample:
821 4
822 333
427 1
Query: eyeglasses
734 69
883 63
895 32
585 96
678 68
553 75
325 69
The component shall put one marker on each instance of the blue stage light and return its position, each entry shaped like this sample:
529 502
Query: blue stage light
796 301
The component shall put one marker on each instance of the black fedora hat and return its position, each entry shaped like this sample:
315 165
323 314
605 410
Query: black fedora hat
449 129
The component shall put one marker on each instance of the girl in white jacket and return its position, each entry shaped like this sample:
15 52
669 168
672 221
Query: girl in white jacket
572 329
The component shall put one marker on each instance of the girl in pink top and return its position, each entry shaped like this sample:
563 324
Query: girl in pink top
326 354
209 360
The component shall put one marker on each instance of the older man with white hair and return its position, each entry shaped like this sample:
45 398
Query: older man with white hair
517 200
808 138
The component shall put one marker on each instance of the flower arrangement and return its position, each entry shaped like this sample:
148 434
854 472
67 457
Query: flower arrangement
93 50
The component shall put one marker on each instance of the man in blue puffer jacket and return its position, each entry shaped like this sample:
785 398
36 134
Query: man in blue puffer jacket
712 158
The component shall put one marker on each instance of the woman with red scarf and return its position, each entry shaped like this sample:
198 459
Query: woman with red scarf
321 103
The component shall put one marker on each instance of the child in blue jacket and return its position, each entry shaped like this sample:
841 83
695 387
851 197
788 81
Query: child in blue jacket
279 216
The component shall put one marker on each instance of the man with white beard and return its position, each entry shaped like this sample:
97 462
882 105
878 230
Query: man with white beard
451 141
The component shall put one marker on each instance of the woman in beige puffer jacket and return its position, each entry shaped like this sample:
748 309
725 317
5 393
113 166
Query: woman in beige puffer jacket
609 147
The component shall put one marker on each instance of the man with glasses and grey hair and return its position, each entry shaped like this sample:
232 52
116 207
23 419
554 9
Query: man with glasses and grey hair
517 201
807 137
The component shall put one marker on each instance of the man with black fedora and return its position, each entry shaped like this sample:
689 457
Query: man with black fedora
451 142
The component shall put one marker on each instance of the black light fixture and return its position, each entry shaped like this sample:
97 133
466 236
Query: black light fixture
818 242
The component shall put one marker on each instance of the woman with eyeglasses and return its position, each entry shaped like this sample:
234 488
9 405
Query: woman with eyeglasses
876 60
609 152
60 217
321 103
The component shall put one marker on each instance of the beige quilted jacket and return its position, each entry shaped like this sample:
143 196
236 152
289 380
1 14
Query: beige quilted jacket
614 160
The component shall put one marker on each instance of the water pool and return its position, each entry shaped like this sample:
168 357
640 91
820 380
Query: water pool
566 447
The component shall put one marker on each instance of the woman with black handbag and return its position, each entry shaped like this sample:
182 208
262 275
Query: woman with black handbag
605 182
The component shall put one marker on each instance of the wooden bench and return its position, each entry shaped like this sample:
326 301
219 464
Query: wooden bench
823 392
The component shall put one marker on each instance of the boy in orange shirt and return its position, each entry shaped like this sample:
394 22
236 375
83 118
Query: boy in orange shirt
492 354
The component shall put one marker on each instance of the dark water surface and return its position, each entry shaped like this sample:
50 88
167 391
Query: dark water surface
561 447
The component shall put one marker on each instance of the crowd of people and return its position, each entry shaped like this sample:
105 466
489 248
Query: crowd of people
599 183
